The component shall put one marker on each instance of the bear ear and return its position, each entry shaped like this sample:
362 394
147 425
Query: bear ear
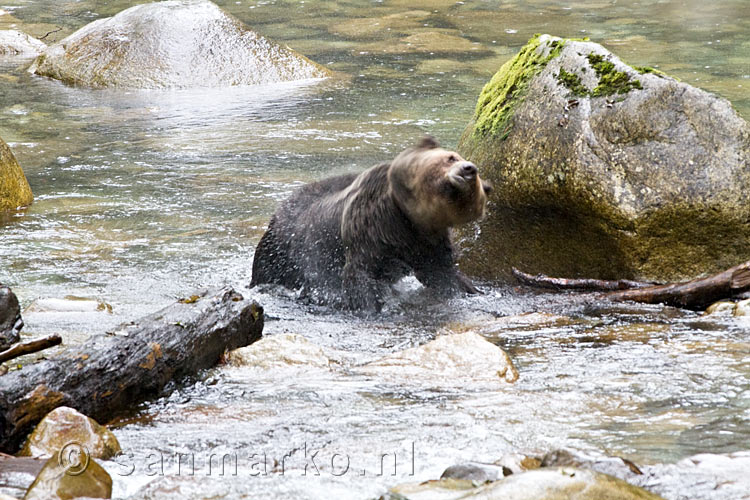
428 142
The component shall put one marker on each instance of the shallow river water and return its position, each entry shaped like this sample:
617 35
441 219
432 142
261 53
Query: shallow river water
143 197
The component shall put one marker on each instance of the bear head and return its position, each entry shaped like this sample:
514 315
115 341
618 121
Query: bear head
436 188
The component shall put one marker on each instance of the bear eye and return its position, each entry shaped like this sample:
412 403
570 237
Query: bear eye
452 159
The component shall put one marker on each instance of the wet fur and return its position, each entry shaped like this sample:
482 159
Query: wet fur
346 239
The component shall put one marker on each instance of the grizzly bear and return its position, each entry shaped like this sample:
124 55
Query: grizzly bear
346 239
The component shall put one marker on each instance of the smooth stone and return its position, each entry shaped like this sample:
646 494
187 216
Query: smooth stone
286 350
742 308
57 483
16 43
65 425
69 303
560 483
478 473
722 308
172 44
453 358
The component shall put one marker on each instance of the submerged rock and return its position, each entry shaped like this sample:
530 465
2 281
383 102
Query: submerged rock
742 308
561 483
614 466
172 44
10 318
458 357
605 171
65 425
706 475
442 489
16 43
280 351
15 191
81 477
726 308
722 308
69 303
478 473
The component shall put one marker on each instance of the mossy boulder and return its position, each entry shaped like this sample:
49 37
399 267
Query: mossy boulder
604 170
16 43
172 44
65 425
15 191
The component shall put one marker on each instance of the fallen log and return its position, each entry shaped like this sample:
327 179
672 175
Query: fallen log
696 294
587 284
30 347
110 374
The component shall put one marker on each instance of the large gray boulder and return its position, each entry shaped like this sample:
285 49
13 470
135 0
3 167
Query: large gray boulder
604 170
172 44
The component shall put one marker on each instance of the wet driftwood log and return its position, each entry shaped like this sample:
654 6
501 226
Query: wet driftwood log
30 347
112 373
583 284
696 294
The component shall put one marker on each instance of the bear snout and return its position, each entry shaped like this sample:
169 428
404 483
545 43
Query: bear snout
468 170
462 174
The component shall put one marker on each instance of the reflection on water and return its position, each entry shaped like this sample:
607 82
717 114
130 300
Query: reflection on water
144 196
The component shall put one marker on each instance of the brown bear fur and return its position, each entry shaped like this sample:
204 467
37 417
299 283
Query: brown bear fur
346 239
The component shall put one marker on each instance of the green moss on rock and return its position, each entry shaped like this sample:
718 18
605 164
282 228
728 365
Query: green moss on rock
611 81
646 70
572 82
501 96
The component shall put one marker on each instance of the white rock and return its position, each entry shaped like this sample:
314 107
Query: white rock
454 357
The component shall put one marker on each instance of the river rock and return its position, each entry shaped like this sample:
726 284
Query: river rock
16 43
705 476
65 425
14 188
555 483
721 308
286 350
442 489
742 308
10 318
82 478
476 472
560 483
604 170
453 358
613 466
172 44
69 303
